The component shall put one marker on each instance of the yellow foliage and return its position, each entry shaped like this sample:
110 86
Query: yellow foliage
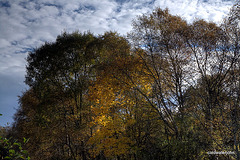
113 108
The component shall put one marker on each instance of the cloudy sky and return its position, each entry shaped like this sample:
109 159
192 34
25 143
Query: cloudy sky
27 24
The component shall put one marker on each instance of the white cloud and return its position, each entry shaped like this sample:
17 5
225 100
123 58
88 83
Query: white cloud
210 10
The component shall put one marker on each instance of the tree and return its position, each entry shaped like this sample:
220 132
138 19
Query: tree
177 55
231 28
59 74
123 120
166 56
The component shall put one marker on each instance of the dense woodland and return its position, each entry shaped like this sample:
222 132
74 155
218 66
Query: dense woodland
168 90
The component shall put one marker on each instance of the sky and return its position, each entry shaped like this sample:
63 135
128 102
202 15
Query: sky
28 24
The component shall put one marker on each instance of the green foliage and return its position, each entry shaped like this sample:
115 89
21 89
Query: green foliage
13 149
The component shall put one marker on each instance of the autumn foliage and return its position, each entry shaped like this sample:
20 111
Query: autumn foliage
168 90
